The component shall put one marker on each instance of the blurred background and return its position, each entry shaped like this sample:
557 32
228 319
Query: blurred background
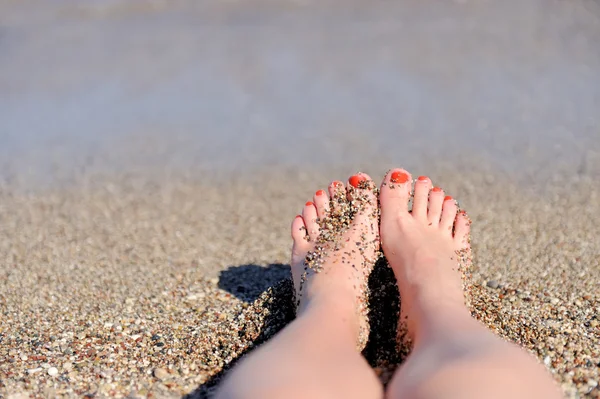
114 86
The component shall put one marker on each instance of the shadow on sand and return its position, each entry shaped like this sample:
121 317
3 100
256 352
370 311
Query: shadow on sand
269 290
247 282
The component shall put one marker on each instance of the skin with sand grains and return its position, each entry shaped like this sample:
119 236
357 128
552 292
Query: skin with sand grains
330 230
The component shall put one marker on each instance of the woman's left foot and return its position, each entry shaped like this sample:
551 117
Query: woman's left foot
336 242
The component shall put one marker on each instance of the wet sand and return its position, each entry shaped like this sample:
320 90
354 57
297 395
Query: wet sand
132 286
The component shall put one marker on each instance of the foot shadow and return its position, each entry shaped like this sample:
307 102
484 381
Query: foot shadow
247 282
269 291
382 351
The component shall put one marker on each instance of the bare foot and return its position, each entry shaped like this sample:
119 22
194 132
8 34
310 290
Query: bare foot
335 248
425 248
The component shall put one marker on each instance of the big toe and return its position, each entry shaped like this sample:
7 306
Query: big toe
395 193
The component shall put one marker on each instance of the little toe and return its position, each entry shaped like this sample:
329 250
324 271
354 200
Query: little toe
436 199
321 201
449 209
309 214
300 237
394 193
462 228
422 187
298 230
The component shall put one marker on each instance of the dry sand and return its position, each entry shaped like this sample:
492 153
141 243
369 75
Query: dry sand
148 287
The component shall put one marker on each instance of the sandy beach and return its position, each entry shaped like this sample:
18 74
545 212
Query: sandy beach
152 158
133 287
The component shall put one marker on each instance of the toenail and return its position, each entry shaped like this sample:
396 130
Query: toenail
423 178
399 177
436 189
320 192
337 184
298 216
309 203
447 198
355 180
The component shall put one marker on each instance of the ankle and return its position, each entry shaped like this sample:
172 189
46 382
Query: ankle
332 311
444 321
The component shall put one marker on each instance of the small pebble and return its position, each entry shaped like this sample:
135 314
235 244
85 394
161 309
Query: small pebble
52 371
493 284
33 371
161 373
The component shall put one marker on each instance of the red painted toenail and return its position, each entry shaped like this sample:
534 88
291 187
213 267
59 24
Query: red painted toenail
436 189
399 177
309 203
447 198
355 180
337 184
423 178
320 192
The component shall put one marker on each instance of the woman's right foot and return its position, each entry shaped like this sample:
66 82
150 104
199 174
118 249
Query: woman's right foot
426 248
333 252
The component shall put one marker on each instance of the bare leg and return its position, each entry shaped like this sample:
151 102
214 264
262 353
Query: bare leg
316 355
453 355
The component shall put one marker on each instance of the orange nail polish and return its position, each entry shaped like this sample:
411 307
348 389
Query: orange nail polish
447 198
436 189
423 178
309 203
355 180
320 192
399 177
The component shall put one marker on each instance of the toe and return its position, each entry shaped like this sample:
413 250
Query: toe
394 193
300 249
436 199
360 188
462 228
309 214
298 229
337 194
449 209
321 201
361 193
299 236
422 187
